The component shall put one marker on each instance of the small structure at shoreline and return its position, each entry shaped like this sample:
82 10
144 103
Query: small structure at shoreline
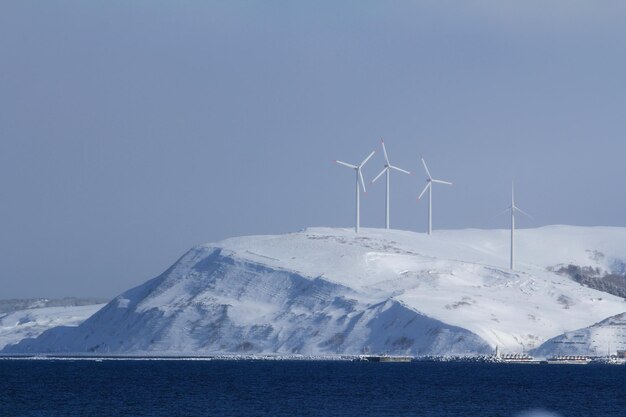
570 360
517 358
387 358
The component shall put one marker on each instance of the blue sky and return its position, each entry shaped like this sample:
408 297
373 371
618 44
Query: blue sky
131 131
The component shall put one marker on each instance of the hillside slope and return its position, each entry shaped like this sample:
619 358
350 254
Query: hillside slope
600 339
323 291
31 322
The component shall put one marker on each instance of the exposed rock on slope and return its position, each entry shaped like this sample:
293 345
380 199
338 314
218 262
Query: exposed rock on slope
611 282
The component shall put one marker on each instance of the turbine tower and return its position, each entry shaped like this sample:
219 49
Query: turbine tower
429 186
387 169
359 178
513 208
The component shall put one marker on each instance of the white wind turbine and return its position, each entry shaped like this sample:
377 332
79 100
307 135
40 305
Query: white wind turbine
513 208
429 187
387 169
359 178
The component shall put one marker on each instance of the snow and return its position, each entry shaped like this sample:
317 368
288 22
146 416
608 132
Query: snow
600 339
330 291
461 277
30 323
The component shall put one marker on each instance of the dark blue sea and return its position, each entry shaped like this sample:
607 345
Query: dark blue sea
303 388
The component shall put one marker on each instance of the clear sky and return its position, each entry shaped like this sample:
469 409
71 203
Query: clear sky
133 130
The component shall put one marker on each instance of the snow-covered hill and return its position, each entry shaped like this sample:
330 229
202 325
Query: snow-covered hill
607 336
323 291
31 322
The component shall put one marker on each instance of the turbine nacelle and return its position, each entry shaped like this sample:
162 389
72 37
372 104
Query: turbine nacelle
359 179
388 167
429 187
357 168
514 209
387 170
430 180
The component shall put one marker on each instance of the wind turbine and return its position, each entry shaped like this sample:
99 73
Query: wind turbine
429 187
513 208
359 178
387 169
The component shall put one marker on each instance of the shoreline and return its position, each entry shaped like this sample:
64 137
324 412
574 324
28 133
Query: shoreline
307 358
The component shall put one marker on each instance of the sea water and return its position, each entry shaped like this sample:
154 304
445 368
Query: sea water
307 388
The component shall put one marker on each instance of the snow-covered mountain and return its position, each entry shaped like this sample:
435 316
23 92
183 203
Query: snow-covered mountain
330 291
609 335
32 321
14 304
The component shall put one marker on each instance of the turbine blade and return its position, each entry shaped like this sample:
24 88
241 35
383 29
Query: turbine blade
367 159
348 165
423 191
506 210
522 211
385 151
379 175
362 182
399 169
442 182
426 168
513 192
